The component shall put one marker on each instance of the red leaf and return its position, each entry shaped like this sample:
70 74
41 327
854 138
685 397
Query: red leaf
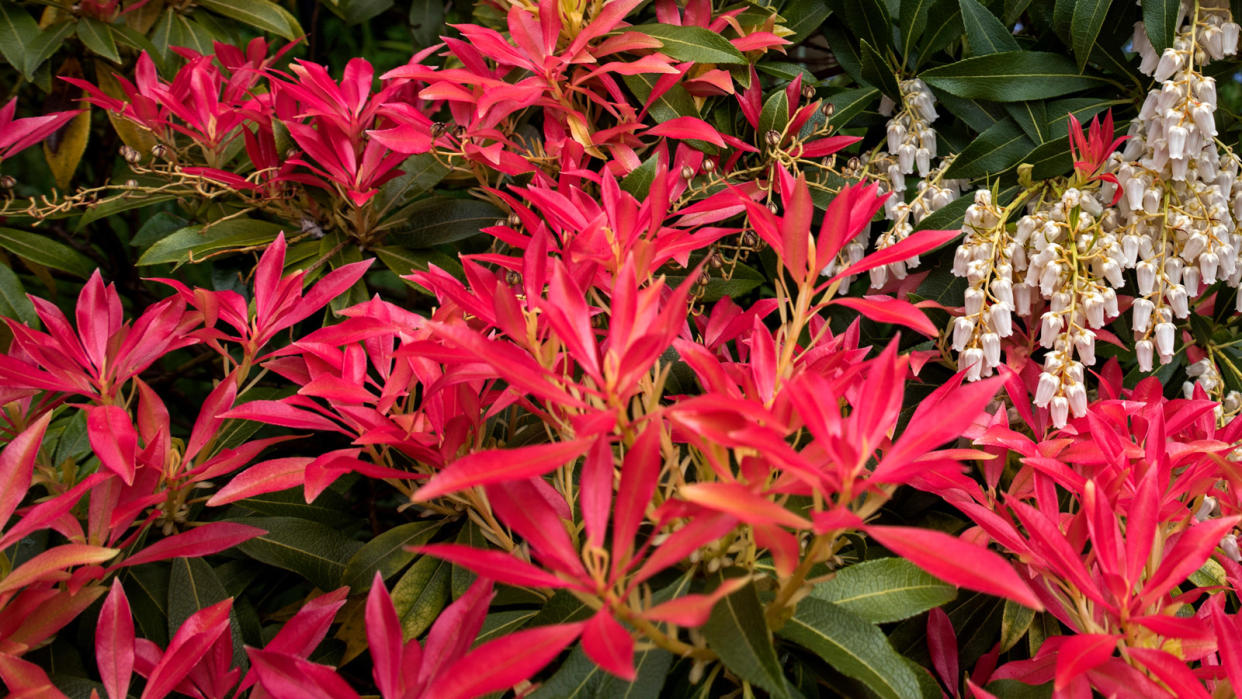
281 414
114 643
264 477
1171 671
385 640
942 416
455 629
302 634
17 466
694 609
501 663
497 565
595 494
1229 645
207 539
497 465
208 423
916 244
1081 653
113 438
1192 548
530 509
640 473
942 644
885 309
26 680
741 502
957 562
688 127
606 642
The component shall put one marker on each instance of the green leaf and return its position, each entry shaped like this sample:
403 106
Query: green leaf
577 678
775 114
192 243
146 586
329 508
426 21
652 666
851 645
1014 689
638 182
419 173
741 281
1032 117
188 32
1012 76
386 553
1160 20
17 34
992 151
945 27
690 43
403 261
984 32
47 44
738 632
313 550
672 103
848 104
843 50
912 23
884 590
876 71
440 220
803 17
97 37
1085 27
44 251
868 20
193 585
1015 620
979 116
503 623
1211 574
13 300
260 14
358 11
421 594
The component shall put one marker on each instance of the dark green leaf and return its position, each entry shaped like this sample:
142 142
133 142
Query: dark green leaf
1013 689
741 280
1032 117
193 243
853 646
1012 76
17 34
48 43
844 50
387 554
739 634
43 251
912 22
329 508
1085 26
993 151
979 116
577 678
403 261
97 37
188 32
13 300
876 71
359 11
440 220
944 27
884 590
426 21
313 550
260 14
419 173
421 594
868 20
146 586
652 666
803 18
946 218
984 32
850 103
690 43
1160 20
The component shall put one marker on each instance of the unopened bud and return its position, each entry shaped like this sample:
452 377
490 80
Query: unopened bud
772 138
709 166
7 182
808 92
686 172
131 155
514 220
159 151
749 240
131 183
513 277
828 109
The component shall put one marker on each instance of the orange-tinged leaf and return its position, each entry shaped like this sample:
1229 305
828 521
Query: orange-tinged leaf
51 564
741 502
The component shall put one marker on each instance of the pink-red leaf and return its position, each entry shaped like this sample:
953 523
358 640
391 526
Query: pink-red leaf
688 127
114 643
264 477
207 539
52 563
743 503
385 639
501 663
605 641
957 562
113 438
497 565
497 465
17 466
885 309
1081 653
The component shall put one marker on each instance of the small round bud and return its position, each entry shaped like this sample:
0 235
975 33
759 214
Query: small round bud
291 154
828 109
514 220
7 182
749 240
772 207
500 222
714 261
772 138
687 173
131 183
131 155
159 151
808 92
709 166
513 277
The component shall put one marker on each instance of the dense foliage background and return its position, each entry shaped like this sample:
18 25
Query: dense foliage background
580 348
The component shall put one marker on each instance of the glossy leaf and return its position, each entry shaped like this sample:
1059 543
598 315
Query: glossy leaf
984 32
49 253
315 551
690 43
739 634
884 590
1011 76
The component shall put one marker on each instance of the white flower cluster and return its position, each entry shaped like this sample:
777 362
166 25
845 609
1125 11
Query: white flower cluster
933 193
911 141
1175 223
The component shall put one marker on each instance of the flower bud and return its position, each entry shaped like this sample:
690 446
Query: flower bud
1143 354
972 362
131 155
1084 342
1002 320
1145 274
1142 315
963 330
7 182
772 138
1050 327
1046 389
1058 410
990 342
1076 395
1164 339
